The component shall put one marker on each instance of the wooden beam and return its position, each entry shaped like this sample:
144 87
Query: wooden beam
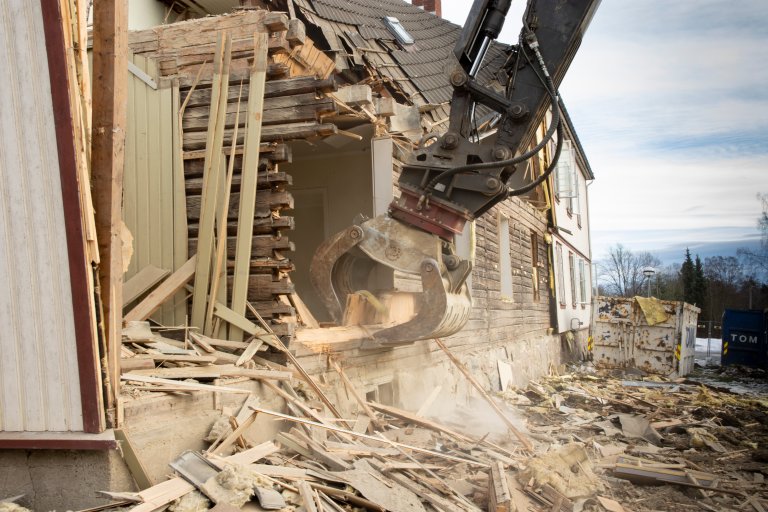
249 178
166 290
221 229
110 106
278 344
213 153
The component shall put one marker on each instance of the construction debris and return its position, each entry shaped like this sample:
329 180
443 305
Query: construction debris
600 444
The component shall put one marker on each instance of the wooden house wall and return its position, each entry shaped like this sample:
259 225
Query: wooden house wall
39 379
154 206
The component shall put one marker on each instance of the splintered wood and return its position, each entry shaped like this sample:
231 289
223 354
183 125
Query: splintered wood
240 93
411 463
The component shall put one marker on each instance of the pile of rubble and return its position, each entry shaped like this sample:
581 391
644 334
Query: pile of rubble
581 441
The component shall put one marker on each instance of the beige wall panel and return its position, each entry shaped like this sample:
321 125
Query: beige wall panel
39 383
150 200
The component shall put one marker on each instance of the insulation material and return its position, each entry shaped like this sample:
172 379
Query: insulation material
220 429
567 470
234 485
192 502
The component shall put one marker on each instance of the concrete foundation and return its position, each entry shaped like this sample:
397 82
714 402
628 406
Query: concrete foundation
61 479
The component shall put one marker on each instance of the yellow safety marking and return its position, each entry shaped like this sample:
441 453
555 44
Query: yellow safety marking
725 348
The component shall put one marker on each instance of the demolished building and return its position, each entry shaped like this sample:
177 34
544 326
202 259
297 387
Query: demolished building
340 98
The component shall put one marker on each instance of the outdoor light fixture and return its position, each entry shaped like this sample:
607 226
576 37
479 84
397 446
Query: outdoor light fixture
648 273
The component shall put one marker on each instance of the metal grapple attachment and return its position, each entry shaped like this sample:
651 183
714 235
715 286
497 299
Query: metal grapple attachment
351 260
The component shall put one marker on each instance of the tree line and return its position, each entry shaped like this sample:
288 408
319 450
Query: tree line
713 284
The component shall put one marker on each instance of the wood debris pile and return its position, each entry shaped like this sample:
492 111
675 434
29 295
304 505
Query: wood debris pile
655 442
600 443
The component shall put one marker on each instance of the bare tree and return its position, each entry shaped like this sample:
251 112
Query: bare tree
756 261
622 271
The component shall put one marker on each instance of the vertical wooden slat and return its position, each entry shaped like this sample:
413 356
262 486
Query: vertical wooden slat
166 188
130 213
110 54
180 245
248 185
211 171
142 233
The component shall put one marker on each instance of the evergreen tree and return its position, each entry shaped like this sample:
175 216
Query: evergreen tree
688 277
699 285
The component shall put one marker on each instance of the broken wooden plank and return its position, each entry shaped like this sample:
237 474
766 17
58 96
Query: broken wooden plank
250 351
370 438
142 282
181 384
307 496
162 494
499 495
213 145
227 443
359 399
278 344
163 292
214 372
249 180
221 242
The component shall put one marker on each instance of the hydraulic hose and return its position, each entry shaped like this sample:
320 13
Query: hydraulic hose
553 127
538 181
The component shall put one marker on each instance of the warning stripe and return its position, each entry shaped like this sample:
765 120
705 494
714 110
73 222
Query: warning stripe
725 348
678 350
589 344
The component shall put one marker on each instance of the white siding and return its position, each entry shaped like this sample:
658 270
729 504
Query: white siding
39 381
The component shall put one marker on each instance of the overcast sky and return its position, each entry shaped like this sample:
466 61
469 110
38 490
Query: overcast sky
670 101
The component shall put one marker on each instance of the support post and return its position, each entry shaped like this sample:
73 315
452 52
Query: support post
110 105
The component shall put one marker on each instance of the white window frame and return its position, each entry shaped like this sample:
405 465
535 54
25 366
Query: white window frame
560 273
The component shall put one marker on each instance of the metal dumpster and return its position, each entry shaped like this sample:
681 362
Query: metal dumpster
744 338
653 335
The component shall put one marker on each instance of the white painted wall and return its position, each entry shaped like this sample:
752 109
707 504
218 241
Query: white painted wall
39 380
145 14
572 233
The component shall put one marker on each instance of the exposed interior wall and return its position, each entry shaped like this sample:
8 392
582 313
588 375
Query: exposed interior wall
330 189
145 14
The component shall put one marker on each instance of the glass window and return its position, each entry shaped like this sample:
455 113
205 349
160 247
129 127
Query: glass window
560 274
398 30
572 270
583 282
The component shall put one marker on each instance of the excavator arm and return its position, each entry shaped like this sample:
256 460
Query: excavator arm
455 177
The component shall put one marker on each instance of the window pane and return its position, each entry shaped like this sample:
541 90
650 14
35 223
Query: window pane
560 275
572 268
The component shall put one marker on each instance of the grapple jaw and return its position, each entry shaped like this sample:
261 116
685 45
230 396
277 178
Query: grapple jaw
345 263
